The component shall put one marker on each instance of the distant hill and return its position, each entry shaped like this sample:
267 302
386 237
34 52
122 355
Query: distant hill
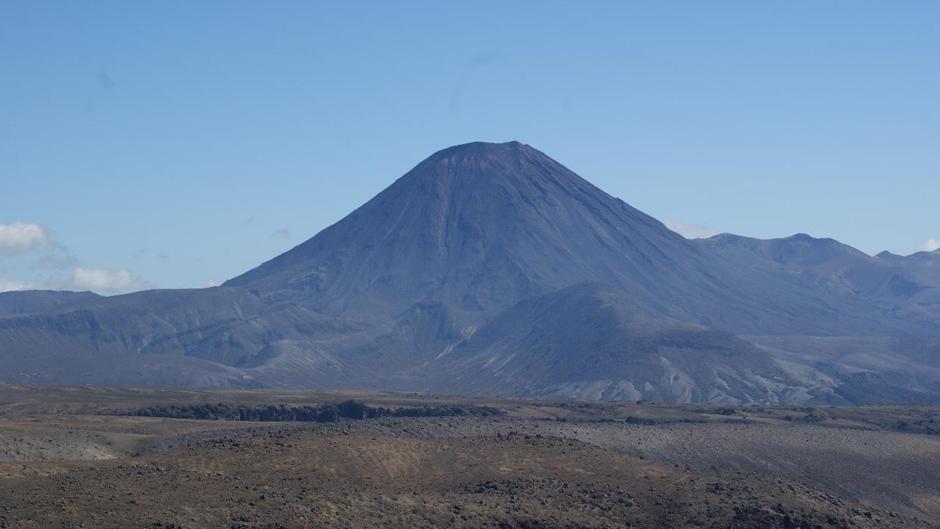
492 268
33 301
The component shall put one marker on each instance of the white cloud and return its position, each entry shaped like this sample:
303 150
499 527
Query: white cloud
105 281
60 259
58 269
212 283
691 231
930 245
8 285
20 237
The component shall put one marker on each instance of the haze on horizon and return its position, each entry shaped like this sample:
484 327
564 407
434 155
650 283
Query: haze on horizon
180 145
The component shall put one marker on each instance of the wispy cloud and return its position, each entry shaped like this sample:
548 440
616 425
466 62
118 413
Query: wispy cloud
100 280
691 231
282 234
58 259
21 237
55 267
105 281
8 285
931 245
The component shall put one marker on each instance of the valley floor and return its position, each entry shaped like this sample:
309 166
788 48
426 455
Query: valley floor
81 457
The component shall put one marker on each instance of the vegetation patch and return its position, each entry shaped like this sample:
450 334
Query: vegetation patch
329 412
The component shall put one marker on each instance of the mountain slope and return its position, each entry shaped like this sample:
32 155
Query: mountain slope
591 341
495 255
480 227
17 303
905 289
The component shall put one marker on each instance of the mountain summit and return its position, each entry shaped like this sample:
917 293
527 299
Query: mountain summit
480 226
492 268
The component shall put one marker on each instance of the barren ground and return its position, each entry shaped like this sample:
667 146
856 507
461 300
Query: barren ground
76 457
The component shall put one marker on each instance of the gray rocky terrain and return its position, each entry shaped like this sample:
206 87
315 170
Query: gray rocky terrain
124 458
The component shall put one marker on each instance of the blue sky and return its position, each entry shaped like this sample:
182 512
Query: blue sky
175 144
